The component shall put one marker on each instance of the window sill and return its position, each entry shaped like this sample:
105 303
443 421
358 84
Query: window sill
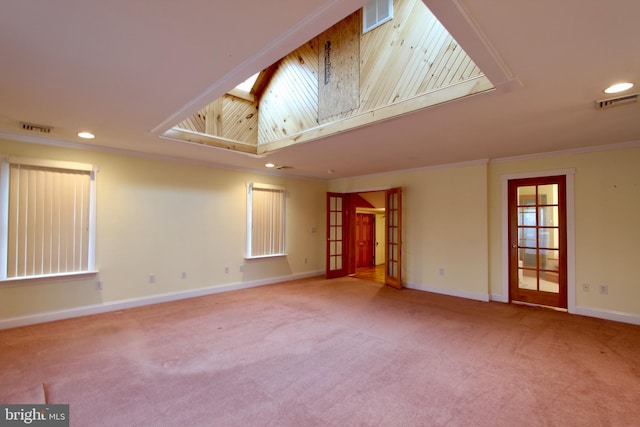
265 256
48 278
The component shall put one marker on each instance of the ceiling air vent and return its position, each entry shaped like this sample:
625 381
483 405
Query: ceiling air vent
613 102
36 128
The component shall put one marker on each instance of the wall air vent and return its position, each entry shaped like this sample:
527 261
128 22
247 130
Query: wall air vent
613 102
376 13
36 128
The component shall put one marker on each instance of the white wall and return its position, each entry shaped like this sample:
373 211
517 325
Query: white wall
445 246
453 221
607 229
165 218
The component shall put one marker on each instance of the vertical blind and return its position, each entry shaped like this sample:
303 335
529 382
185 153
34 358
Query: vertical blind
267 221
48 221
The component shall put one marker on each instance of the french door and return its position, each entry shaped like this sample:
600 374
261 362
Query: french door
393 249
337 210
538 241
341 237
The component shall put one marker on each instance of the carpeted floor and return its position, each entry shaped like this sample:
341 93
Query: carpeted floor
343 352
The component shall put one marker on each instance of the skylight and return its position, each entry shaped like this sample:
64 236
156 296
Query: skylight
247 85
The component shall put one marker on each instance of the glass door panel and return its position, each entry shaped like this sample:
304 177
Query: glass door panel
534 212
537 239
336 211
393 249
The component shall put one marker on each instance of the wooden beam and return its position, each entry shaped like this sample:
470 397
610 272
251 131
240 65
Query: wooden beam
242 94
211 141
213 118
263 80
466 88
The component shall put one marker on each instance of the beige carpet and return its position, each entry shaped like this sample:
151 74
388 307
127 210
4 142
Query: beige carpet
344 352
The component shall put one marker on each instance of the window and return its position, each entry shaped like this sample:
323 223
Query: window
245 89
376 13
265 220
247 85
47 218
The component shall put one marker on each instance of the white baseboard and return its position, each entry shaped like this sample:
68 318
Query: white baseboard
175 296
499 298
616 316
148 300
451 292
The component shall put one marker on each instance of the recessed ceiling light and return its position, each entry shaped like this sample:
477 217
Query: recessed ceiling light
86 135
269 165
618 87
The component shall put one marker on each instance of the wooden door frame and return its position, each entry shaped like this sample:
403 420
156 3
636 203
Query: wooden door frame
533 203
570 225
330 274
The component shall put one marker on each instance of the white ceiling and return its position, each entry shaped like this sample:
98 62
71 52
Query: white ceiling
128 70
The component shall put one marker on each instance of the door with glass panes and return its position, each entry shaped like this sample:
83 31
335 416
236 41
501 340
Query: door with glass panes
337 235
537 241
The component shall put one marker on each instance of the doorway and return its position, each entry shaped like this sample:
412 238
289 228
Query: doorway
369 244
538 241
363 235
370 235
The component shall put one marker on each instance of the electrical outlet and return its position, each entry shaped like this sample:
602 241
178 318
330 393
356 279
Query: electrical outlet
604 289
184 275
585 287
305 260
98 285
152 278
226 270
441 271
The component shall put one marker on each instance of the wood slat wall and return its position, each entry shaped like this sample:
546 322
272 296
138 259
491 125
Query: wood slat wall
238 120
195 123
409 56
290 102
